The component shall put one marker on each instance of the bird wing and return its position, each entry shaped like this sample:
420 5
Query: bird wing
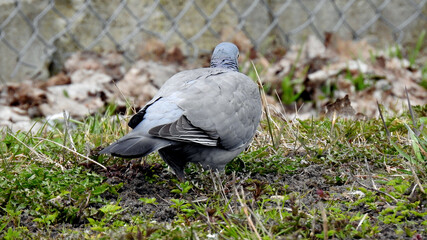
183 131
169 91
220 108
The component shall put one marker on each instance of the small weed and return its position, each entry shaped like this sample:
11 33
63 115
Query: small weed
360 80
109 211
182 188
395 51
12 234
413 54
289 84
46 220
183 207
149 200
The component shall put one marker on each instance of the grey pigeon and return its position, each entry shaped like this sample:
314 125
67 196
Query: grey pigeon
205 115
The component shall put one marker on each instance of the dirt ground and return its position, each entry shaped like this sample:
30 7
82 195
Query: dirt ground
311 186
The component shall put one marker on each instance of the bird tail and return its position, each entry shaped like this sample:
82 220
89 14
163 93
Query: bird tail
131 146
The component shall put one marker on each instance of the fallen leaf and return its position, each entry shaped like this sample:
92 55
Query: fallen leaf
59 79
341 107
143 80
175 55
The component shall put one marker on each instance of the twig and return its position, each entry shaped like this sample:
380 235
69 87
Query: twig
75 152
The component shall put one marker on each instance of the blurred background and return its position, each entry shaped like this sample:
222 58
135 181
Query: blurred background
81 56
36 36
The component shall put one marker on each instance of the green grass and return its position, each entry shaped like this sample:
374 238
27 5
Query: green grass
424 76
49 191
307 179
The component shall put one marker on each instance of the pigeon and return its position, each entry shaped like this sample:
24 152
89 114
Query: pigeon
206 116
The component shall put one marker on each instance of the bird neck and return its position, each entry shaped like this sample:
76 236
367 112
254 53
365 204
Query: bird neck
224 63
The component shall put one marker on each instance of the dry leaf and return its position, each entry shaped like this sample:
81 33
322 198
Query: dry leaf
59 79
143 80
341 107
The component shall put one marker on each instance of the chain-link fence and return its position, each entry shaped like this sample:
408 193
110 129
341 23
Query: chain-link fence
35 33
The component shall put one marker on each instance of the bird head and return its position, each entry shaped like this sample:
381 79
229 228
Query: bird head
225 55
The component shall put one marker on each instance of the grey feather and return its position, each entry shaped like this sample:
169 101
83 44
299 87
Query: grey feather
133 146
206 116
183 131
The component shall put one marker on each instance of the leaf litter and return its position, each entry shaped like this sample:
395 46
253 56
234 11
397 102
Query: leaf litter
328 71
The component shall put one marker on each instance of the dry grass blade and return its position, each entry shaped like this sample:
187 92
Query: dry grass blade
124 98
67 116
313 227
416 132
411 113
417 180
376 190
39 156
71 150
334 119
290 130
325 222
370 175
245 211
221 187
361 221
264 104
84 204
255 216
410 163
382 119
